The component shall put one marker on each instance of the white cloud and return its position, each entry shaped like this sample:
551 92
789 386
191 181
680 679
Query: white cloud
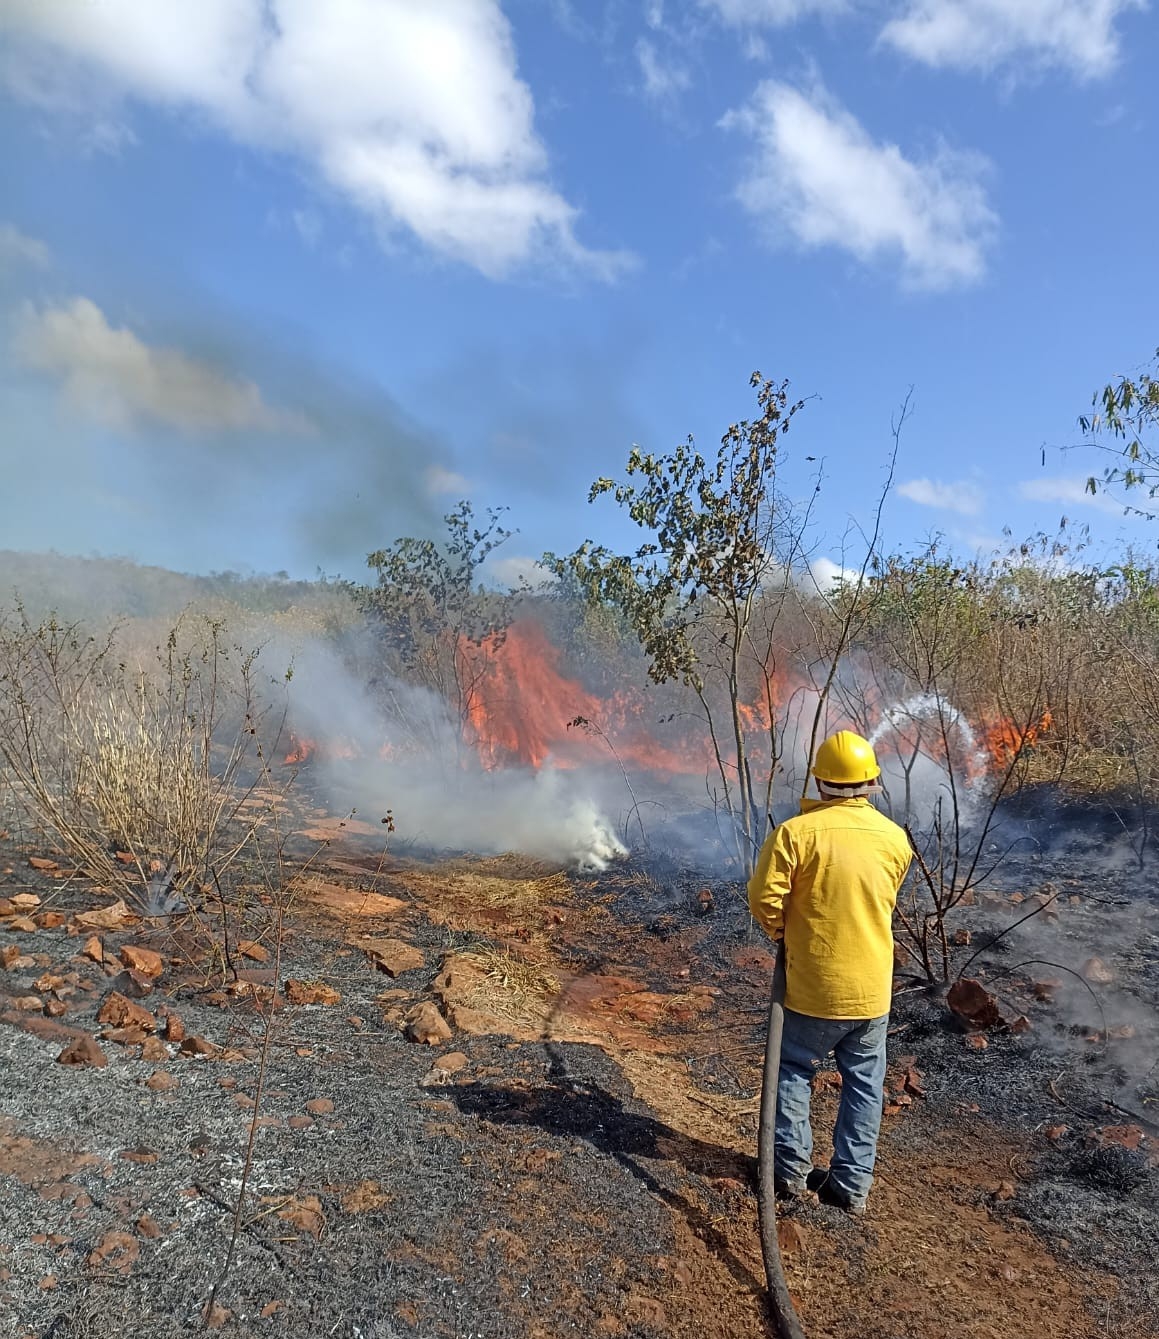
661 81
1068 491
819 177
964 498
442 482
773 13
17 249
1076 35
411 110
113 376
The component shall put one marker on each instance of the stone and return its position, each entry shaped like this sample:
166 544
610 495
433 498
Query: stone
49 920
84 1051
1097 971
248 948
119 1012
28 1004
425 1025
146 1156
197 1046
24 924
55 1008
174 1028
130 983
25 901
44 865
972 1004
311 992
6 907
94 949
216 1316
976 1042
320 1106
299 1122
144 961
444 1069
790 1237
154 1050
161 1082
112 917
394 956
148 1227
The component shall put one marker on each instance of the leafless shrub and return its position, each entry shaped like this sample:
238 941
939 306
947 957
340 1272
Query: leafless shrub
142 766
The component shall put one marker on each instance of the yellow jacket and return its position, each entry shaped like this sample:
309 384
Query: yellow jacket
827 881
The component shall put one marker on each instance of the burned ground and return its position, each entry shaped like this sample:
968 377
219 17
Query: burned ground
584 1165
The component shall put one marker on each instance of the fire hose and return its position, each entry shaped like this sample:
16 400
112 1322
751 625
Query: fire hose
786 1325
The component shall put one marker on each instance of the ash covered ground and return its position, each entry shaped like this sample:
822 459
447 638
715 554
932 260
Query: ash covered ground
577 1156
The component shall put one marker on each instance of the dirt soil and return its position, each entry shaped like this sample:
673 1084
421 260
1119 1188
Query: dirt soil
573 1152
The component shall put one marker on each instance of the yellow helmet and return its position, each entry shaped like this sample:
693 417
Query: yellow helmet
845 759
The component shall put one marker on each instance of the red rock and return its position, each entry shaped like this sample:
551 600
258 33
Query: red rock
148 1227
94 949
320 1106
55 1008
83 1051
790 1237
25 901
197 1046
299 1122
154 1050
1021 1024
962 938
1055 1132
972 1004
129 983
8 955
24 924
394 956
311 992
47 1283
119 1012
28 1004
49 920
144 961
424 1024
1005 1190
271 1309
43 864
146 1156
161 1082
174 1028
248 948
6 907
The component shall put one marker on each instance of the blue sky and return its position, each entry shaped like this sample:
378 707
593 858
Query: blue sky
281 280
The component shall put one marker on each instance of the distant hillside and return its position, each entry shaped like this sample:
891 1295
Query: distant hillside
104 588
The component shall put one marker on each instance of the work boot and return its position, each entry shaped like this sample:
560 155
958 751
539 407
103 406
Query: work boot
836 1198
816 1179
788 1190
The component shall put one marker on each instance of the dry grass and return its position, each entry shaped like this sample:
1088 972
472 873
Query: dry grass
521 979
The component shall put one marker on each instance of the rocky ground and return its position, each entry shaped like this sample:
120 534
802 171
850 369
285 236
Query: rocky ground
498 1099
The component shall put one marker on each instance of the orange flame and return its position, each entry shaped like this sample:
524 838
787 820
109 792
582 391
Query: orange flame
1005 740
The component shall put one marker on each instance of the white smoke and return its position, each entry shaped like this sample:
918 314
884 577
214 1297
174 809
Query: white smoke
409 757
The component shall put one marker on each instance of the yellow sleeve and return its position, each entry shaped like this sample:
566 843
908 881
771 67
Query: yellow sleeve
771 882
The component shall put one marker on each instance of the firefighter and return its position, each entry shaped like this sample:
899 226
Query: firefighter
826 883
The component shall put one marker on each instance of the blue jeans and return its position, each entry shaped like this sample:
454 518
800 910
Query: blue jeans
859 1046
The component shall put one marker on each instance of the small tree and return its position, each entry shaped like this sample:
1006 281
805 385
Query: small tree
1128 409
703 591
431 610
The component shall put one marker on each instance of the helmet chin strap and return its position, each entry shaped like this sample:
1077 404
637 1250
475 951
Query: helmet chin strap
831 792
